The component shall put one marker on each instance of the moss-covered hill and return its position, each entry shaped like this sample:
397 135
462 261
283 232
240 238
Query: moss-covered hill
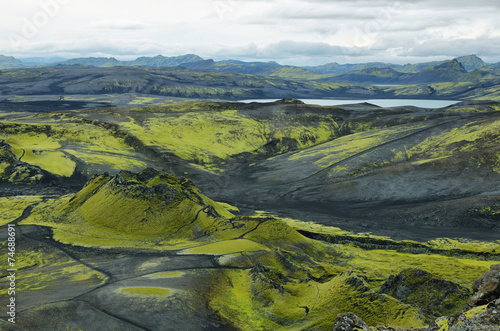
147 206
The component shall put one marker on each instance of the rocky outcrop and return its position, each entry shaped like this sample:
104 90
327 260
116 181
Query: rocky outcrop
14 171
482 314
484 306
349 322
481 318
486 288
432 296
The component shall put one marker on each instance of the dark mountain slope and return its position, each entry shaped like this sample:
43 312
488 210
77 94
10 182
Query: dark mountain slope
162 61
335 68
450 71
260 69
369 76
157 61
176 82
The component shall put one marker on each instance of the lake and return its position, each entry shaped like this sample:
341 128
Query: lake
379 102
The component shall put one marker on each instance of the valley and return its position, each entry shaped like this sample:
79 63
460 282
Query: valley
148 198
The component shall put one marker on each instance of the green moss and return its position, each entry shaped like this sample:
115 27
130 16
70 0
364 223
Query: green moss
106 160
3 168
208 134
12 207
41 150
275 231
377 264
202 137
475 311
282 287
466 245
443 325
380 264
53 147
147 291
226 247
152 264
232 297
253 301
142 100
332 152
44 269
27 258
162 275
476 141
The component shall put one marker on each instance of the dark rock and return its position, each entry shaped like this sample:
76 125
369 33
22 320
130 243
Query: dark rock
357 283
478 318
349 322
486 288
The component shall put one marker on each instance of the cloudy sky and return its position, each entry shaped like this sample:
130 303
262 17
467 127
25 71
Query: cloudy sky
297 32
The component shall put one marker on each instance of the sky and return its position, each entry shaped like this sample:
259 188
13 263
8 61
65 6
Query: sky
293 32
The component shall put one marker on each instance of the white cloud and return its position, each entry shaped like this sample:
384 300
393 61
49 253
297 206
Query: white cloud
289 31
482 46
119 24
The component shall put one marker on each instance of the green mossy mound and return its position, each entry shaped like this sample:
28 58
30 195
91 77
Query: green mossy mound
149 204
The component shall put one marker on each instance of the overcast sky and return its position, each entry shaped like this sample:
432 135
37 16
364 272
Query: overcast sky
296 32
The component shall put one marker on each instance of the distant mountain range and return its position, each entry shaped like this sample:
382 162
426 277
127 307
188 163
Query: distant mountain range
156 61
462 69
470 62
449 71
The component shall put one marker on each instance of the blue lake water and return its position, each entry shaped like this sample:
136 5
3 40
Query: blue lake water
378 102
